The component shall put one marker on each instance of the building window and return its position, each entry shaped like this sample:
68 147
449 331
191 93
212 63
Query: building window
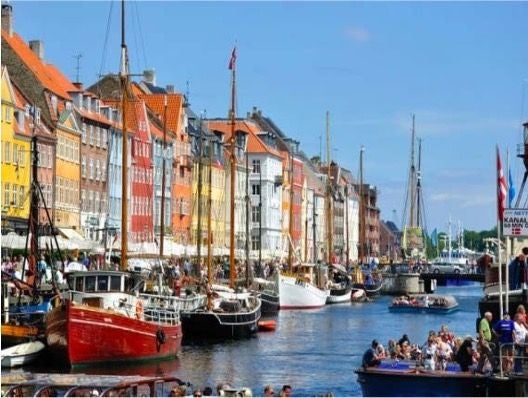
91 169
255 189
91 134
20 196
255 242
256 166
7 155
83 167
7 114
84 133
7 193
255 214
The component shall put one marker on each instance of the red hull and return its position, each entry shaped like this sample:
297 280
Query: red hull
83 335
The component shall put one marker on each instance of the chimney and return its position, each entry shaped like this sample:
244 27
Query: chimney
170 88
78 85
37 46
7 19
149 76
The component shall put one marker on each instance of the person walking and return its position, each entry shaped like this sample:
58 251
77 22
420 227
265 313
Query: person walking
484 342
519 335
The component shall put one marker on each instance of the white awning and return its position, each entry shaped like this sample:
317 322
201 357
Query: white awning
71 233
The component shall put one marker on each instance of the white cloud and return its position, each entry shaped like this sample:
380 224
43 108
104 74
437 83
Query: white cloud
357 34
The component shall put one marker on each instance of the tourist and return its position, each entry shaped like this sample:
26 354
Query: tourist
446 335
268 391
485 327
522 312
504 329
519 333
369 357
464 355
197 393
429 354
404 338
392 349
444 353
380 351
286 391
178 391
207 391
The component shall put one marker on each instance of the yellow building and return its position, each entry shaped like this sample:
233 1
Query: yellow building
16 164
68 172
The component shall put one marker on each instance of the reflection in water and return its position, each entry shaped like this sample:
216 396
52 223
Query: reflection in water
314 351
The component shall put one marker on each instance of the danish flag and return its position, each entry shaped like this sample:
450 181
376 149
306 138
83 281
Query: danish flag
501 188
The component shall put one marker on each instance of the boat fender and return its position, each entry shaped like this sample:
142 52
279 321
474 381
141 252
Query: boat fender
160 338
139 309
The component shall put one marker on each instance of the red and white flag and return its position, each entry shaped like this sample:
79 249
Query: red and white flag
501 188
232 61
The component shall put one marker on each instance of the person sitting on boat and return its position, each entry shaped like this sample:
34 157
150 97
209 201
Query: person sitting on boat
446 336
381 352
370 358
392 349
268 391
403 339
464 355
286 391
429 354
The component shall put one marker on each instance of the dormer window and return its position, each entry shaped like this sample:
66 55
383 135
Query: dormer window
97 106
19 116
68 106
54 103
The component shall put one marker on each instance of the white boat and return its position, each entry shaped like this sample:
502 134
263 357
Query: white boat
296 292
21 354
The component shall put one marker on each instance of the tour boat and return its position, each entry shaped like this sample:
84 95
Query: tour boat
435 303
405 379
21 354
340 287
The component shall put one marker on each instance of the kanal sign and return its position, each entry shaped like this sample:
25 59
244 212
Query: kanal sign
515 222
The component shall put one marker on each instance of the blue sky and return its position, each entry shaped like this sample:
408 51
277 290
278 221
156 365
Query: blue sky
461 68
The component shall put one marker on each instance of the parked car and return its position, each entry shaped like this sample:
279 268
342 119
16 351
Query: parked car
447 268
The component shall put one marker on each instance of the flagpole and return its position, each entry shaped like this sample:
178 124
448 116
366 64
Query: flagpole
509 249
499 167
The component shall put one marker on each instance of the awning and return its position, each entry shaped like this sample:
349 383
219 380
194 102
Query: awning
71 233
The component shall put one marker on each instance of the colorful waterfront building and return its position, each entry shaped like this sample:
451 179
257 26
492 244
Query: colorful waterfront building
46 88
16 160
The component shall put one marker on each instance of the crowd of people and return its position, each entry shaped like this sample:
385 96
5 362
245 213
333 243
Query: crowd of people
471 354
225 390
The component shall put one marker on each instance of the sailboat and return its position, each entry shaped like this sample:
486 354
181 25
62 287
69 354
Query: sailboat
228 313
340 282
413 240
364 276
305 287
104 318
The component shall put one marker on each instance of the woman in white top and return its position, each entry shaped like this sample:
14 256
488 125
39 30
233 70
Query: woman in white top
519 335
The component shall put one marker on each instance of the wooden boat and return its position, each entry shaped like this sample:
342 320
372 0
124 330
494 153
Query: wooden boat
426 303
358 296
21 354
267 291
340 287
102 319
404 379
83 385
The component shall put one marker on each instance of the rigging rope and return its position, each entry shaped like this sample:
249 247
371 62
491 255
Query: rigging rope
103 55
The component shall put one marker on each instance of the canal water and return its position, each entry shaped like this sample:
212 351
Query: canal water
313 351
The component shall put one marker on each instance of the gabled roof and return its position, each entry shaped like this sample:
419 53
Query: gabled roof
50 77
255 144
156 102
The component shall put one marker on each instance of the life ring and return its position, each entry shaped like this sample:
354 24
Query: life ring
139 309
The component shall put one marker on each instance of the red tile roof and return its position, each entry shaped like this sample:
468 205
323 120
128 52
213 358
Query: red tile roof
255 144
50 77
156 102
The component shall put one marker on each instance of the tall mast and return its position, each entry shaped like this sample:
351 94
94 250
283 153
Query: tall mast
346 225
232 270
329 226
361 209
162 211
124 159
412 183
290 215
199 210
419 185
247 213
314 237
209 214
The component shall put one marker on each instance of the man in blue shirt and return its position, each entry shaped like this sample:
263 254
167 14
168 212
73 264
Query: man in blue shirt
504 329
370 357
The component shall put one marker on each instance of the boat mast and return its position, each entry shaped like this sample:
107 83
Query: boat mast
162 211
329 226
290 214
419 185
209 214
123 74
412 219
314 237
247 212
361 209
199 210
232 270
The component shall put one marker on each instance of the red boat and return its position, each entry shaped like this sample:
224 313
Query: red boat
101 322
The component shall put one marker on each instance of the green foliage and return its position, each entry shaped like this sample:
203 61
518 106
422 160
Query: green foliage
473 240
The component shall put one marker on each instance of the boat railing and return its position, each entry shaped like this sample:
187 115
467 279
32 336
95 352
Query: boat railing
175 303
511 359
